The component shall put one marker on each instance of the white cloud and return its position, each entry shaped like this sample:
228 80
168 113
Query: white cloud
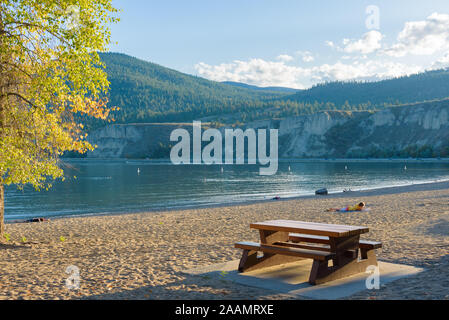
442 62
284 57
367 58
255 71
330 44
366 70
370 42
306 56
273 73
424 37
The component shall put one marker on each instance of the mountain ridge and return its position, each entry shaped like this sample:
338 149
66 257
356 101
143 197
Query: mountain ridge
420 87
147 92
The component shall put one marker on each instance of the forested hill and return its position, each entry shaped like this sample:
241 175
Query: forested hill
420 87
147 92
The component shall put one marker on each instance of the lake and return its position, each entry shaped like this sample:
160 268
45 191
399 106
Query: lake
114 186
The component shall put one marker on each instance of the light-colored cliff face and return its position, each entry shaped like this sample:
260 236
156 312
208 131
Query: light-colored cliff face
394 129
113 140
306 136
325 134
132 140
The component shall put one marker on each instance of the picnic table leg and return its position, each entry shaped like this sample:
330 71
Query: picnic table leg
345 248
319 269
250 261
345 262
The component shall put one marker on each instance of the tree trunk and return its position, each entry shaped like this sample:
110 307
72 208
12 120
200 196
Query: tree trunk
2 124
2 212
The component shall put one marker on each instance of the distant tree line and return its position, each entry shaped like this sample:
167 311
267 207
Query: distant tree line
147 92
411 151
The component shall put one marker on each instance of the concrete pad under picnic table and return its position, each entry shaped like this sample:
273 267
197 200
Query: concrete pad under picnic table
292 278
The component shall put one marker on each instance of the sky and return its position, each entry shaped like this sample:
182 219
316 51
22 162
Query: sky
293 44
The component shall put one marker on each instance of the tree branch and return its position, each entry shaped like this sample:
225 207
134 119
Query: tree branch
27 24
22 97
17 67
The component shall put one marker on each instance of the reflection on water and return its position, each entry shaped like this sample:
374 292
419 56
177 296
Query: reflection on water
127 186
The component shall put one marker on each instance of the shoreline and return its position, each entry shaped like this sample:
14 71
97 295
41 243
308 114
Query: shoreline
144 255
390 190
281 160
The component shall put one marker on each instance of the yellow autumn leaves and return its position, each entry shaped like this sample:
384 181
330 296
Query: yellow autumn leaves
50 77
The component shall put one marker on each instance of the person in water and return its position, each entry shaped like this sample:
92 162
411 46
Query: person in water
358 207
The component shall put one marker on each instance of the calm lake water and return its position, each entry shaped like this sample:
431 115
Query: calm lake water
133 186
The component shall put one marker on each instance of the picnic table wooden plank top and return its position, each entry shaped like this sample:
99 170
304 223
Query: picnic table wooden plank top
313 228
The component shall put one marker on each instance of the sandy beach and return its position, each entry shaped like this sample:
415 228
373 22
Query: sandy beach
141 256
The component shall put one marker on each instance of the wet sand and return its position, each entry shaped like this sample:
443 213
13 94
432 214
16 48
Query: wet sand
141 255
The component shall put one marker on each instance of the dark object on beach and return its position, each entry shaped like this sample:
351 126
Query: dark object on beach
321 191
277 198
37 220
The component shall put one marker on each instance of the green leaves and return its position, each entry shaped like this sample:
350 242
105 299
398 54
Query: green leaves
49 75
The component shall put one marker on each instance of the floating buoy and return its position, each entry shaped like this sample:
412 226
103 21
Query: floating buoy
346 167
288 168
221 169
138 170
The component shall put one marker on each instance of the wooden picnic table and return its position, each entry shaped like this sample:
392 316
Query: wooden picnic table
284 241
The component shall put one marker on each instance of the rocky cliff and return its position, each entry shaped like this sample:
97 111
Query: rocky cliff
418 130
150 140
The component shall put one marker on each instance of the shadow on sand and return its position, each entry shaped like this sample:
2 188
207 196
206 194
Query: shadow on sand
13 246
191 287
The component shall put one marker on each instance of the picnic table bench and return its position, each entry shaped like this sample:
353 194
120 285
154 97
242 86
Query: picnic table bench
284 241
